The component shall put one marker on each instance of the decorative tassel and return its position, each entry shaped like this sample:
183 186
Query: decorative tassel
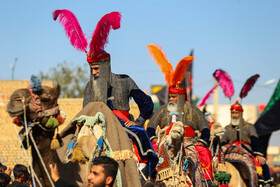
259 170
78 156
52 123
55 142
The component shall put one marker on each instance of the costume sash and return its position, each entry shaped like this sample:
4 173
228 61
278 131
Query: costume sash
122 114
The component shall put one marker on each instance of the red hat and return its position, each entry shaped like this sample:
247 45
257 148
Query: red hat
236 106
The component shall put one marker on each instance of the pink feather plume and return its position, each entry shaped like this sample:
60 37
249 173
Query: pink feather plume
72 28
248 85
207 96
101 32
225 82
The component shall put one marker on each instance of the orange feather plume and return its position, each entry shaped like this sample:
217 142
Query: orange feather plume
181 70
161 60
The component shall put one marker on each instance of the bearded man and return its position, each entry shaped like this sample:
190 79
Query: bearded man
192 118
115 90
243 134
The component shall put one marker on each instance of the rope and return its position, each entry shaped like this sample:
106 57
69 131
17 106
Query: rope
34 144
29 163
41 159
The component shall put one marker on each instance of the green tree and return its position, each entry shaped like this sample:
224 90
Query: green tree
72 79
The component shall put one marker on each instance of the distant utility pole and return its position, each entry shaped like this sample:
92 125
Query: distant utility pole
13 67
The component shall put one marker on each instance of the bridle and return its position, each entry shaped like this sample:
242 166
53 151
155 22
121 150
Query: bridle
38 106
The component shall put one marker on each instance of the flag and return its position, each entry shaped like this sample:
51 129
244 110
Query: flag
189 81
269 121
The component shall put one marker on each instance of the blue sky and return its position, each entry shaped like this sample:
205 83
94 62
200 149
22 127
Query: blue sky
241 37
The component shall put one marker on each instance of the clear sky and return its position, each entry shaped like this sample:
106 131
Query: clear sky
241 37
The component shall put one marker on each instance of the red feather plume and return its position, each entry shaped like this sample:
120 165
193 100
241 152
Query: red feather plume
72 28
101 32
248 85
181 70
225 82
207 96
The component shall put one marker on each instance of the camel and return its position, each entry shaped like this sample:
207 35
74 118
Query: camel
24 103
177 165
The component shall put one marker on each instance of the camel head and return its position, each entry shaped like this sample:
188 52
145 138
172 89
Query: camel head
217 129
174 133
47 99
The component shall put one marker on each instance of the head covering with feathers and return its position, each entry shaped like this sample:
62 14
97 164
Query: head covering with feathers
172 77
99 36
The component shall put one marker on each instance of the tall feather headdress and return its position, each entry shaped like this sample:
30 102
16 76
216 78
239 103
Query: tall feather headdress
207 96
250 82
72 28
225 82
101 32
99 36
172 77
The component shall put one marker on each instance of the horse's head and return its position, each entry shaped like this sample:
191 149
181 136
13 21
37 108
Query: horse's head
38 106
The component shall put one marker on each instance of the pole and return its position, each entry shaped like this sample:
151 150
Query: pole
13 68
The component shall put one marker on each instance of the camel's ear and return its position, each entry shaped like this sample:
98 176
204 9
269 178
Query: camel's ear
57 89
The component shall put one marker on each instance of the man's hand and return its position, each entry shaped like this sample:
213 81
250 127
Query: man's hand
199 144
54 172
129 123
261 160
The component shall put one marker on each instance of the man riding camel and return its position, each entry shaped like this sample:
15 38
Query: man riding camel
115 90
243 134
192 118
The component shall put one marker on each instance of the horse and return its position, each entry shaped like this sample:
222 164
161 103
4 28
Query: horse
38 109
178 159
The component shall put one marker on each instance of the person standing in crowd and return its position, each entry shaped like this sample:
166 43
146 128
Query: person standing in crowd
102 173
20 173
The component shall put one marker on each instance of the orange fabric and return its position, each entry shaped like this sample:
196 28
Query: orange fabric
137 153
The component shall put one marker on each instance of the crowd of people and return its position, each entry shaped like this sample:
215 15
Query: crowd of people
19 176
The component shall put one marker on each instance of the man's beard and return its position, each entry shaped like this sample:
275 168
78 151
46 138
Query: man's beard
236 121
94 184
99 89
171 106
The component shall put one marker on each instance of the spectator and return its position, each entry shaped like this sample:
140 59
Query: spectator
21 174
102 173
4 179
59 181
